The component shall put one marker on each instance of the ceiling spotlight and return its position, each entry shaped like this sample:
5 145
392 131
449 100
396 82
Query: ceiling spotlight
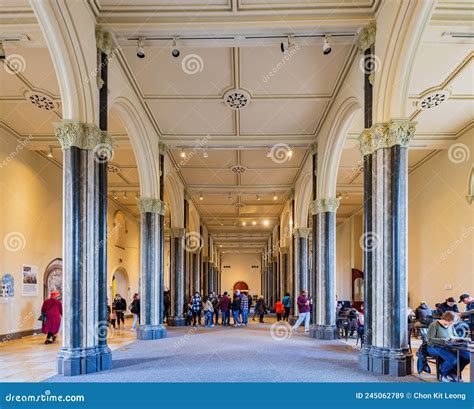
205 153
275 197
50 153
140 49
183 153
269 153
254 223
326 46
347 196
175 52
201 197
339 196
244 223
258 197
266 223
289 45
290 153
125 195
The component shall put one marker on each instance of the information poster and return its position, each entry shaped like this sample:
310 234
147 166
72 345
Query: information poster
7 289
29 281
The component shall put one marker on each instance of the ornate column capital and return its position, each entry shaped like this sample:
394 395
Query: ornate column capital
284 250
105 42
149 205
365 142
162 148
367 36
84 136
396 132
301 232
329 204
177 232
314 148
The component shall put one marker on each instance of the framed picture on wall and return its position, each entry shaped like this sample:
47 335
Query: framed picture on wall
29 278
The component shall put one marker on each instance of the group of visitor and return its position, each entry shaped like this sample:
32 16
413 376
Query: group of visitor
213 306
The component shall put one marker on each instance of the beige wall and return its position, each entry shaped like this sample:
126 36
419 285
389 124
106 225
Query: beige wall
241 270
31 230
441 227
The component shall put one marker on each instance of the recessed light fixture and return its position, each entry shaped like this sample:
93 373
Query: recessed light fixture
183 153
201 197
50 153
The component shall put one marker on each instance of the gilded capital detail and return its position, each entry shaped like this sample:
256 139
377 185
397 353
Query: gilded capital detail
365 142
367 37
324 205
104 41
162 148
301 232
177 232
396 132
149 205
83 136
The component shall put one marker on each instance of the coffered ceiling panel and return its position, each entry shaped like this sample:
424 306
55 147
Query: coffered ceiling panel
208 177
305 70
192 117
283 116
268 177
201 72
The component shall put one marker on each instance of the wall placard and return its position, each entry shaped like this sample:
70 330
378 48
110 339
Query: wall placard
29 275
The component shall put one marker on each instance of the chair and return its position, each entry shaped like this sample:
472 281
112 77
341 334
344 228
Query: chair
436 360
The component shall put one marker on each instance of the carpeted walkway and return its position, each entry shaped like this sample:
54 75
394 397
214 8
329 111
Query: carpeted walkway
256 353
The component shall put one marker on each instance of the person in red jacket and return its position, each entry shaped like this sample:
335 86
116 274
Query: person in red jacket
279 309
51 313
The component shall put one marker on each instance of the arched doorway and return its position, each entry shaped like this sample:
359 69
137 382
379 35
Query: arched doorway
241 286
53 277
121 283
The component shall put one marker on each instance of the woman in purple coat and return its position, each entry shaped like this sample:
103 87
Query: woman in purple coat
51 313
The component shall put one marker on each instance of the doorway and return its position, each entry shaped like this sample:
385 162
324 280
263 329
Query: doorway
53 278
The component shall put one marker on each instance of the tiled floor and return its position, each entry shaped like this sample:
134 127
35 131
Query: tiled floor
30 360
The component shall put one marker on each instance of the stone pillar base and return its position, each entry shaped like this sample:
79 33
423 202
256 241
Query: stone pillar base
324 332
81 361
365 360
380 361
400 363
176 322
150 332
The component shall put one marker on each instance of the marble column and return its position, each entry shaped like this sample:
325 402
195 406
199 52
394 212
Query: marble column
151 269
205 275
387 143
210 274
324 326
177 284
300 276
84 145
284 270
196 271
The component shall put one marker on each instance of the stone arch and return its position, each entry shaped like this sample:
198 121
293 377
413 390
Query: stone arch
174 192
285 233
330 153
303 200
53 277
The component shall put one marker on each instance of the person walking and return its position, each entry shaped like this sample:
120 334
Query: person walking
196 305
224 305
215 301
119 306
279 309
51 313
260 308
236 304
135 310
303 312
208 313
244 307
287 306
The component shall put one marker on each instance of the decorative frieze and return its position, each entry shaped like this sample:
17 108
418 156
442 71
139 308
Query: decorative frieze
301 232
83 136
149 205
329 204
367 37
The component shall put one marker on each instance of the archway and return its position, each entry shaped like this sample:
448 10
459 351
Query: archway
241 286
120 283
53 277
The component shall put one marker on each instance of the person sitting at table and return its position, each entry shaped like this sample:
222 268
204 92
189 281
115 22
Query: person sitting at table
440 333
448 305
